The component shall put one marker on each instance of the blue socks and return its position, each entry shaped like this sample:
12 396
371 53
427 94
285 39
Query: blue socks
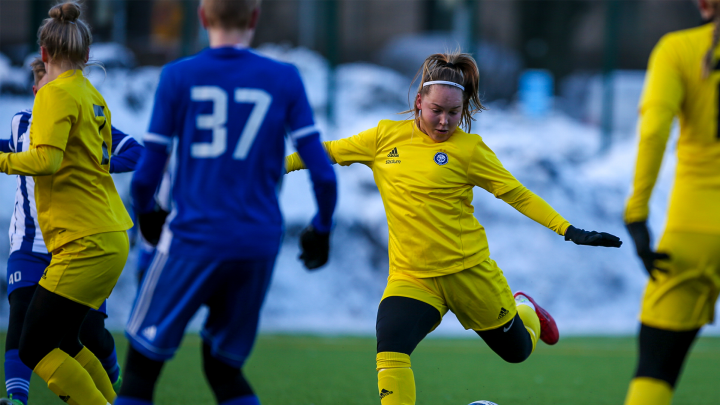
246 400
17 376
111 366
130 401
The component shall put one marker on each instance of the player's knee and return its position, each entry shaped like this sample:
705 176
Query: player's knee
29 353
516 355
95 337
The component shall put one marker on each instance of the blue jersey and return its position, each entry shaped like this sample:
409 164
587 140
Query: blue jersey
230 110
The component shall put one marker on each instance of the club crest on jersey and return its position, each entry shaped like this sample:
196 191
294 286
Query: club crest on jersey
441 158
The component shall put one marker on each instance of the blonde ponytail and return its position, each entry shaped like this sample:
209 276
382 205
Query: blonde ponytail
455 67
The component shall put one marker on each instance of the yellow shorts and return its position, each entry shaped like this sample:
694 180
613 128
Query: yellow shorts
684 298
86 269
479 296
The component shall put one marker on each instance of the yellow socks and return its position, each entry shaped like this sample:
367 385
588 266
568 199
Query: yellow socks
531 321
649 391
66 377
396 383
97 372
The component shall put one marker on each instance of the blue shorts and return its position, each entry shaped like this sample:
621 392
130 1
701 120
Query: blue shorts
175 288
24 269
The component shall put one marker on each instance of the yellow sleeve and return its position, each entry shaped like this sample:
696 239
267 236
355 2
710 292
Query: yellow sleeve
54 113
535 208
41 161
660 103
486 171
355 149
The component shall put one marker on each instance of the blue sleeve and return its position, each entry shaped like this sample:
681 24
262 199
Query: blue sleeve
323 178
147 177
126 152
299 119
5 146
162 121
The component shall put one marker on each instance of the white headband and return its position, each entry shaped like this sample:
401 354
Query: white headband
444 82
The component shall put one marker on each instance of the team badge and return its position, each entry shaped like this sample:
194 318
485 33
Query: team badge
441 158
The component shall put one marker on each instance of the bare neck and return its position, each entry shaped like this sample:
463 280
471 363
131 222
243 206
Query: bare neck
221 38
56 69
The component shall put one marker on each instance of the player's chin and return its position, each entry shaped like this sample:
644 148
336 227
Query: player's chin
441 135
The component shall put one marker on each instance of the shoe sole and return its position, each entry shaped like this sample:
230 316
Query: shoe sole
547 322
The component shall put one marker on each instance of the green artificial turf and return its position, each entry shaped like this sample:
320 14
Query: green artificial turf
305 370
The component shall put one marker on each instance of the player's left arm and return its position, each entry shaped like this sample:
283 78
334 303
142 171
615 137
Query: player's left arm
126 152
485 170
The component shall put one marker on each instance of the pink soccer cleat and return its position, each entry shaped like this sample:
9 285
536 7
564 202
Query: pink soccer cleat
548 328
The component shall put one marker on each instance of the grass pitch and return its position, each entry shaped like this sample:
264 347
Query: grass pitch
304 370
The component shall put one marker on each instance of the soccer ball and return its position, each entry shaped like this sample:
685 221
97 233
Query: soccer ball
483 403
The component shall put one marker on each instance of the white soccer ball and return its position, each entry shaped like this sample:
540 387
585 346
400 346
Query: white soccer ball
483 403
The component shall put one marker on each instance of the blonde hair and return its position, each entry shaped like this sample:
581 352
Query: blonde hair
38 70
709 55
454 67
65 36
229 14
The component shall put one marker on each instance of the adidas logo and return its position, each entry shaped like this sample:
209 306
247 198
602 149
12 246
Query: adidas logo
150 332
384 393
503 312
393 153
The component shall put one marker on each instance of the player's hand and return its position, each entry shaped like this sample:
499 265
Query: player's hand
641 236
591 238
314 248
151 225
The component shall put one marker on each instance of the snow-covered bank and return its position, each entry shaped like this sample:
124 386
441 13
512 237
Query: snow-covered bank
588 290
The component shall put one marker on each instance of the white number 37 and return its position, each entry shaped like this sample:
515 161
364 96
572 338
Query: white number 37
216 121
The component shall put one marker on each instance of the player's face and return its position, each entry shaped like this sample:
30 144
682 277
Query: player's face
440 111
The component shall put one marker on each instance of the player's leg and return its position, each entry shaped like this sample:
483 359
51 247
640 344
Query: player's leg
172 291
101 343
229 332
50 320
662 354
482 301
24 270
676 304
17 374
402 323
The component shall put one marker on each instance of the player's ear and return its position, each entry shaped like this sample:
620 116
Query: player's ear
44 54
254 18
34 90
418 101
87 55
202 17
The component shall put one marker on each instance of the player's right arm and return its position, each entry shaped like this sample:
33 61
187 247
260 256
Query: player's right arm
150 168
57 111
359 148
660 103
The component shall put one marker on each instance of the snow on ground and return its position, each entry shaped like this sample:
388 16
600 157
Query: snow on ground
588 290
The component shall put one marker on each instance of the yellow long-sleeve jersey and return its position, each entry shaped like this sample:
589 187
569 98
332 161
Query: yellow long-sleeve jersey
78 198
426 188
674 86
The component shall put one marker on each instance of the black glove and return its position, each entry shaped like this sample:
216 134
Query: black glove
592 238
151 225
314 247
641 236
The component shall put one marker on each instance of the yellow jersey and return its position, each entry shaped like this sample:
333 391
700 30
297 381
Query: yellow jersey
674 86
427 191
80 199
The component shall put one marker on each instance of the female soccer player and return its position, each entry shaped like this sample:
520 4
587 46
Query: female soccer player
80 213
425 169
29 257
682 80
